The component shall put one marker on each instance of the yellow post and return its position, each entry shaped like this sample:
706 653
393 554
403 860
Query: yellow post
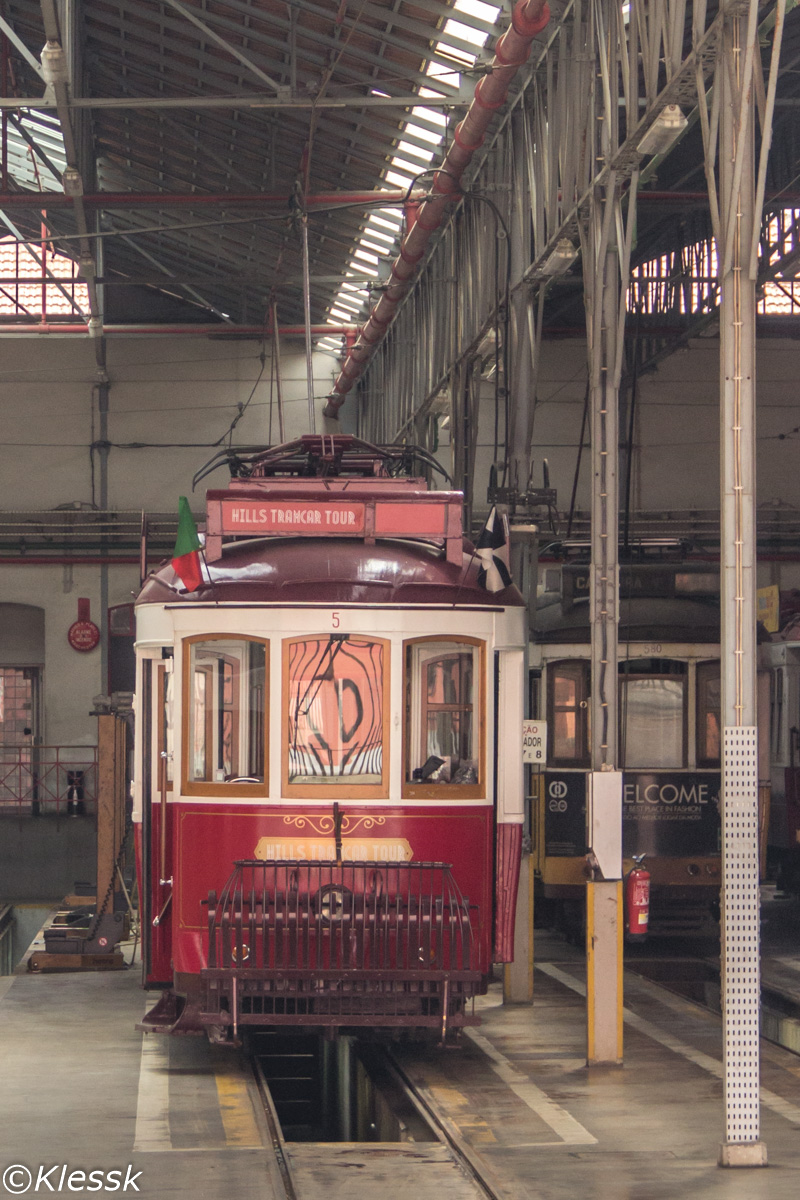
604 994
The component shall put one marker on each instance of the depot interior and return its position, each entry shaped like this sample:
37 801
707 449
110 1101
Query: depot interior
177 274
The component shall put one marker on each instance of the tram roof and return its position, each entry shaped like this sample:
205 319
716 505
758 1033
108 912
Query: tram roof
303 570
641 619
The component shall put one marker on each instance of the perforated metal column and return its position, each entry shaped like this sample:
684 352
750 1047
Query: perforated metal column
740 940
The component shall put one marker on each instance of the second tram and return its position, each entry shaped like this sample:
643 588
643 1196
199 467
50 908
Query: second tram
669 751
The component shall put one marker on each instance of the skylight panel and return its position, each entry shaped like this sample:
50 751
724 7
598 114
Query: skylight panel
384 240
424 135
364 269
417 151
392 226
477 8
47 133
442 75
463 57
401 181
403 165
341 313
349 294
376 247
382 248
421 135
466 33
429 114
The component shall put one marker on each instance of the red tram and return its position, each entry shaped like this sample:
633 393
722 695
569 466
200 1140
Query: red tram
328 792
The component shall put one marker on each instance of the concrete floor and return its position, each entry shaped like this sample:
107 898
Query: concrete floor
651 1130
80 1088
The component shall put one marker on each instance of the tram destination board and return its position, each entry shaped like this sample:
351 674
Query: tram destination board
669 813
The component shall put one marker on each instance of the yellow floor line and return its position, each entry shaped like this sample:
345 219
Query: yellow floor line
236 1109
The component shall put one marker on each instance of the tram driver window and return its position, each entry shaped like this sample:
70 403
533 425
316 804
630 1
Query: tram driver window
568 716
225 724
709 696
442 687
336 714
652 697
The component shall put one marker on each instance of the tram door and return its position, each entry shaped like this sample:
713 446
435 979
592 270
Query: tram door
157 781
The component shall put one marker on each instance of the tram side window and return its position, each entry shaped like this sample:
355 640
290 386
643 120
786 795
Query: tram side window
226 711
443 686
568 718
652 714
709 721
336 712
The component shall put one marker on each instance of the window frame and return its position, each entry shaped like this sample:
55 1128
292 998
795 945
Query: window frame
161 726
195 787
412 790
580 669
323 789
626 677
704 671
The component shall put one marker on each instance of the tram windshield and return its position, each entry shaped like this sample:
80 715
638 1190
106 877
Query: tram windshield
226 721
656 713
335 710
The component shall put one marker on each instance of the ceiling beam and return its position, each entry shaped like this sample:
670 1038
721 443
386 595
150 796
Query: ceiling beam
251 101
279 200
55 67
232 50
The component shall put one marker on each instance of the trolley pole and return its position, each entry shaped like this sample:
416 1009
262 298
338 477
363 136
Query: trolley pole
736 234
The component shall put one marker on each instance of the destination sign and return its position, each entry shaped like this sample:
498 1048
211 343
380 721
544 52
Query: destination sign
291 517
322 849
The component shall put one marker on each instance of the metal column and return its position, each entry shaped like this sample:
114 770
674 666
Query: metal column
740 879
604 800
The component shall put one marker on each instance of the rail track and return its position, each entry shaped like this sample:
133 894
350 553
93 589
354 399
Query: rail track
440 1167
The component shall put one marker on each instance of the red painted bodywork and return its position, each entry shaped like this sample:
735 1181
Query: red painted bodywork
509 853
209 838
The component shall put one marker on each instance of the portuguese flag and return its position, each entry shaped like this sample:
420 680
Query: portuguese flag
186 556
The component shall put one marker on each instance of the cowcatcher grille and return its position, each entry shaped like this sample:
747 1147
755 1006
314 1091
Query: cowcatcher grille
355 943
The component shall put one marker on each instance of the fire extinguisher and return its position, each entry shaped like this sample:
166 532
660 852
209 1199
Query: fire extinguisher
637 900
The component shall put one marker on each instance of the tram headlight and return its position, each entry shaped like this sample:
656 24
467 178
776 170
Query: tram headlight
332 901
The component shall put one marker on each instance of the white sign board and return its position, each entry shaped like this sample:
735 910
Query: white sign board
534 742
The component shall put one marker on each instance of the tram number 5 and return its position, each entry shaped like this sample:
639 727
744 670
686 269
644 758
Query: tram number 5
335 620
